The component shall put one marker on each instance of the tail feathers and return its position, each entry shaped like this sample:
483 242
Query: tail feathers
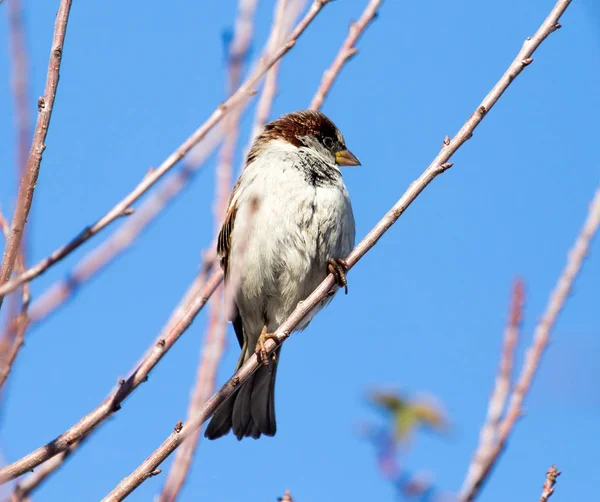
220 423
250 412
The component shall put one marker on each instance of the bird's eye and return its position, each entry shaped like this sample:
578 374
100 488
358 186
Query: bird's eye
328 142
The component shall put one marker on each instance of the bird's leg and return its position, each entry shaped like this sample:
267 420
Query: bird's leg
260 350
338 267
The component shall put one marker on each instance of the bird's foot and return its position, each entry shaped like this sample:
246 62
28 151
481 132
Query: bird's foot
261 350
338 267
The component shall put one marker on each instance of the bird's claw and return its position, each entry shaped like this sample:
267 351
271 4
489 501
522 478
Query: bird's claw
261 350
338 267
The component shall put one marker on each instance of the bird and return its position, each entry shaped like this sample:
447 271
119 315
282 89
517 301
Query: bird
289 223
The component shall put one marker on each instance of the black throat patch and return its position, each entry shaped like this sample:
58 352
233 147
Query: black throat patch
316 172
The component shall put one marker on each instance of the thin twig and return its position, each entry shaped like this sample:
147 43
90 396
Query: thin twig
183 316
214 342
551 476
438 166
10 345
533 356
122 208
346 52
497 403
283 12
29 179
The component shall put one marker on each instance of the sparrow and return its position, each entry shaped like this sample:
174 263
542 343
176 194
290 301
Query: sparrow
289 224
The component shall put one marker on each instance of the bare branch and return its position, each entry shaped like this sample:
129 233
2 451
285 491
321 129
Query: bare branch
284 12
533 356
17 324
236 99
214 344
347 51
551 477
20 89
182 317
29 179
217 327
497 403
438 166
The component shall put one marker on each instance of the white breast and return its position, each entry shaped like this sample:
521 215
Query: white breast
284 233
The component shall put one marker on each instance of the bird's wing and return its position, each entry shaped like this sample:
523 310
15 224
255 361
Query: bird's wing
224 239
223 249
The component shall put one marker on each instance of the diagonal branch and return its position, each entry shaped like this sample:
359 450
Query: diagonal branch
20 89
346 52
438 166
29 179
533 356
9 345
124 206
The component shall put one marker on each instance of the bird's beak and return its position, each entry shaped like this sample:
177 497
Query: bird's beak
346 158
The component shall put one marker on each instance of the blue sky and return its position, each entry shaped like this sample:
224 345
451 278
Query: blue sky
427 306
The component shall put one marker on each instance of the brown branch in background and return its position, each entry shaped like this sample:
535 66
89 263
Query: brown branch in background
438 166
533 356
214 343
29 179
10 345
124 206
551 476
284 14
497 403
20 89
347 51
194 299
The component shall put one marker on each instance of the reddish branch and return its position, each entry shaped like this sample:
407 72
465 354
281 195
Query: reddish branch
347 51
438 166
20 88
124 206
284 11
214 343
551 477
497 403
29 179
10 345
534 354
